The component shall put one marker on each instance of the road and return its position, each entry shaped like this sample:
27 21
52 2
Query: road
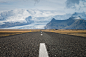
57 45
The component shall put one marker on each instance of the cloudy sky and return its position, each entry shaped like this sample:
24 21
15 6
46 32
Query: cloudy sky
67 6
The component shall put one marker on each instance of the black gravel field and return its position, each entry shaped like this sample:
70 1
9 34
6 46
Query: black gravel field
27 45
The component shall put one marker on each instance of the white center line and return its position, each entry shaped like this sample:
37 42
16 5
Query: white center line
41 34
43 51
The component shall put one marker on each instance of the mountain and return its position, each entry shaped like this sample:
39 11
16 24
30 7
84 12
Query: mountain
71 23
28 19
62 17
33 19
12 24
81 15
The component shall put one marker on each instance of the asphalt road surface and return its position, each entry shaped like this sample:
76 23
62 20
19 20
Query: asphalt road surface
57 45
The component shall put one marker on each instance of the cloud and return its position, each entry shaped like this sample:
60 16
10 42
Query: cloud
3 2
36 1
19 0
59 5
73 3
24 1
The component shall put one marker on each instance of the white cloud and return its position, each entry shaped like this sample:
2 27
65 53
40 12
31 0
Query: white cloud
59 5
73 3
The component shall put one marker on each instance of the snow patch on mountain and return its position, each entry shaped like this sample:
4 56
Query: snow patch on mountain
22 16
31 26
14 16
62 17
35 19
79 15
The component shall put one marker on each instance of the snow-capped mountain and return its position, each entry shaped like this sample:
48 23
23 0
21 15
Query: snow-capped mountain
18 18
62 17
70 23
79 15
32 19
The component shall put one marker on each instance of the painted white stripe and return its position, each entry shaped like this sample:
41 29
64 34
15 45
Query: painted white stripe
43 51
41 34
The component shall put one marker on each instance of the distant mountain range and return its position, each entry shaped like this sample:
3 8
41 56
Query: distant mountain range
25 19
72 23
41 19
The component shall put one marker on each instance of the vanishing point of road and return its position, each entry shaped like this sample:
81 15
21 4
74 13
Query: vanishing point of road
28 45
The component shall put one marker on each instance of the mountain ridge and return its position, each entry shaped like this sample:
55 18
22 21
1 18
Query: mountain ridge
34 19
70 23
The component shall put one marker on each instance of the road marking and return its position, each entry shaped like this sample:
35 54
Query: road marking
43 51
41 34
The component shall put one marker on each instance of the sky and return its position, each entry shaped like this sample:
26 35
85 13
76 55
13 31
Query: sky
67 6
